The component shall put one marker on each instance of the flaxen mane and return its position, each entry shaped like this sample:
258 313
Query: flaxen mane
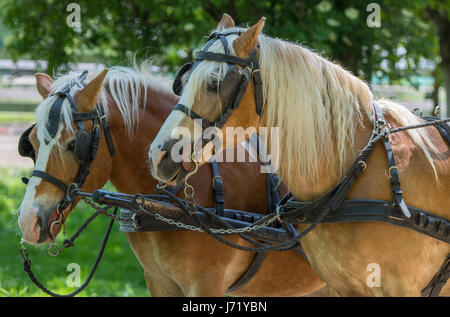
312 101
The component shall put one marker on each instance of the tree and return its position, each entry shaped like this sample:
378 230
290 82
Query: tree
439 13
170 30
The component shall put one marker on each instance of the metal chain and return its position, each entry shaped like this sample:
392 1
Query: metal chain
250 228
104 212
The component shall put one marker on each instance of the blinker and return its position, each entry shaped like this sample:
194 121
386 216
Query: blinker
82 146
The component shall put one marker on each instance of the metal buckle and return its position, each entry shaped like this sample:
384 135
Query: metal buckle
437 111
364 165
135 222
417 112
214 180
391 169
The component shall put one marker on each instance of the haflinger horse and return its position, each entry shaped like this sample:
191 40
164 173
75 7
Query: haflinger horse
323 114
175 263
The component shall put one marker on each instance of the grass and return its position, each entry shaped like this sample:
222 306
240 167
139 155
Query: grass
119 272
16 117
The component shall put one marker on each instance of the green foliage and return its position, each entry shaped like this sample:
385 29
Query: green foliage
114 31
119 272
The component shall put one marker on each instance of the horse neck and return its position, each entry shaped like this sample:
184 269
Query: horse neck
327 177
130 171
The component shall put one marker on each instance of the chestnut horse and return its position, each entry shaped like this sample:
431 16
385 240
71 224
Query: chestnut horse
323 114
176 263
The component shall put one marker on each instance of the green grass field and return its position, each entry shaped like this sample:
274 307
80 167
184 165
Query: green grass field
119 272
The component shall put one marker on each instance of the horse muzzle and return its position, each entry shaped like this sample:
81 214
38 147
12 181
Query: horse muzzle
36 223
167 169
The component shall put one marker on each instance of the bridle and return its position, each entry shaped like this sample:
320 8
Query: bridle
85 146
234 83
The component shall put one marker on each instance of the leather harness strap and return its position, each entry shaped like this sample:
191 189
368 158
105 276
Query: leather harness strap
333 208
217 184
99 121
443 128
439 280
380 123
255 265
251 70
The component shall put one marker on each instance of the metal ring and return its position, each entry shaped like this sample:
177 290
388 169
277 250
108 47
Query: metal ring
390 170
279 213
186 193
71 190
52 245
364 165
161 185
50 229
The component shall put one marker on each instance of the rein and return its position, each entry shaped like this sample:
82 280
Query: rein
67 244
85 151
329 202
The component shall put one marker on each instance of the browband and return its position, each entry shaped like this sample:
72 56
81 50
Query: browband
220 57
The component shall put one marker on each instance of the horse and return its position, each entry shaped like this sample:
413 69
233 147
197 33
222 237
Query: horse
323 116
175 263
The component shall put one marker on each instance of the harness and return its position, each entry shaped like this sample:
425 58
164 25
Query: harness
233 85
84 147
141 221
332 206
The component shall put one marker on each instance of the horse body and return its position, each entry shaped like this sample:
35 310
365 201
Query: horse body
324 115
177 263
172 260
342 253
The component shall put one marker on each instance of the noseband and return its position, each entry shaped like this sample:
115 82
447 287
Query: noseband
84 148
234 83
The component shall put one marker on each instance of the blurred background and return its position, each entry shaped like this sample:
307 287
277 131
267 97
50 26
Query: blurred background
401 48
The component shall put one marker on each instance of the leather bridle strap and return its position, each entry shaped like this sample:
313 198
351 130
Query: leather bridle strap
251 69
99 120
193 115
49 178
223 58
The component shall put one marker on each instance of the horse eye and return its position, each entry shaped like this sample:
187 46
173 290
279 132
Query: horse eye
212 86
71 146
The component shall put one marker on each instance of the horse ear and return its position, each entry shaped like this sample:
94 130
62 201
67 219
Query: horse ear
225 23
87 97
248 40
43 84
